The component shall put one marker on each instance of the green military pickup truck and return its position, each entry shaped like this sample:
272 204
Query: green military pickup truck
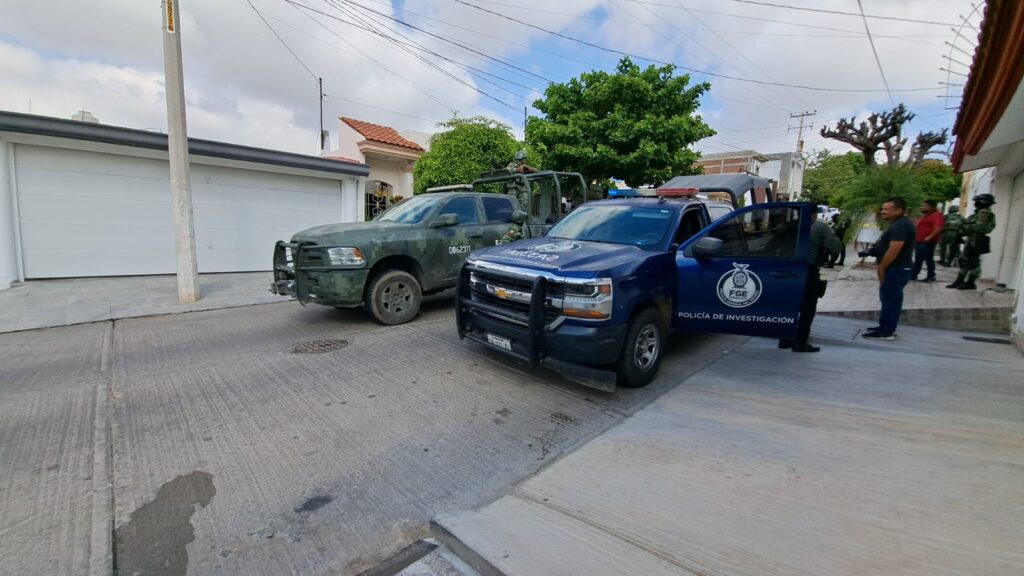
416 247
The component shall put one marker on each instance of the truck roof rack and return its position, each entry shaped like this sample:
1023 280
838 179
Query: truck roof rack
451 188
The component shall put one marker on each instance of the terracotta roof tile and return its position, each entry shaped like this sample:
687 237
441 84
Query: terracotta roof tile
381 134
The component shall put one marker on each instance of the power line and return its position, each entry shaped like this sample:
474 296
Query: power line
687 68
851 34
671 40
278 36
453 42
875 51
427 50
733 48
433 65
822 10
426 90
356 102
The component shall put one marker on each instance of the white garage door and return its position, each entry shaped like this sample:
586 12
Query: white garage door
98 214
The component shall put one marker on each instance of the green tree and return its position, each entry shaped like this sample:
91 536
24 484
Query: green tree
461 153
938 181
636 124
831 178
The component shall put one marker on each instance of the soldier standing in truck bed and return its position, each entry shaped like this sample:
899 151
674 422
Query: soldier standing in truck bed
975 232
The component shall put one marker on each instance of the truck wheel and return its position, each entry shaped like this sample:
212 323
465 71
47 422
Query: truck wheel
393 297
641 353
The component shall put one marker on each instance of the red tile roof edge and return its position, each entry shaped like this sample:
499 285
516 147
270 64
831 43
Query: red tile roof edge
381 134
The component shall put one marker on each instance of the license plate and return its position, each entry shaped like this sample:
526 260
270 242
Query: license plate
503 343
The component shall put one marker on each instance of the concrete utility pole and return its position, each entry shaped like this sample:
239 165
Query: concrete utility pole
177 148
800 129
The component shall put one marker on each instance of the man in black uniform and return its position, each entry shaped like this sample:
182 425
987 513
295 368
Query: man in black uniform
824 245
895 251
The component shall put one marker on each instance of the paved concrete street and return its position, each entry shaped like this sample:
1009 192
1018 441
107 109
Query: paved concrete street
229 453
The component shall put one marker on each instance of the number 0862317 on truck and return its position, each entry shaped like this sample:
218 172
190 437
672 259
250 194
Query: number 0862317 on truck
595 298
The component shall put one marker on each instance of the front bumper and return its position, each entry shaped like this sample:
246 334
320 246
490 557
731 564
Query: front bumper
535 338
299 273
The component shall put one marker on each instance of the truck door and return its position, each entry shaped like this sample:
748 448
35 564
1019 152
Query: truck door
463 238
497 217
745 274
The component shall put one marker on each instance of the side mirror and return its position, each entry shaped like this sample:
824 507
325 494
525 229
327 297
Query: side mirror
445 220
708 247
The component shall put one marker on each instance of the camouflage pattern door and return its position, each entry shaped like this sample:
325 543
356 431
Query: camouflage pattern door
458 241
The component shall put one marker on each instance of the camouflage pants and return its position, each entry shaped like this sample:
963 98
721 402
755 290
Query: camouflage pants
970 266
949 252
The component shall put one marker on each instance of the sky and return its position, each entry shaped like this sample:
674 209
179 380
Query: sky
251 65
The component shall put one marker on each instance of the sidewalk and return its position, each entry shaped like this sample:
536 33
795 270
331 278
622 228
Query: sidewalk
853 293
821 464
47 303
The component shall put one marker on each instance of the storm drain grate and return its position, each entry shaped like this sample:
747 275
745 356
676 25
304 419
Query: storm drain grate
987 340
320 345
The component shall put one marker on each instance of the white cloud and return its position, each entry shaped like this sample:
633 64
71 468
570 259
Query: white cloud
243 86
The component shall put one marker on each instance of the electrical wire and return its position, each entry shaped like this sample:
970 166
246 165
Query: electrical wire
875 51
426 90
687 68
741 55
407 49
824 11
278 36
356 102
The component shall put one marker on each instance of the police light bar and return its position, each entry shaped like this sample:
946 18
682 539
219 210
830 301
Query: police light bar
677 192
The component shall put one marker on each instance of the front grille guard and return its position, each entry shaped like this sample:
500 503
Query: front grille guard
535 327
293 258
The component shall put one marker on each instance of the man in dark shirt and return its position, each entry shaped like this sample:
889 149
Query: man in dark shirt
895 250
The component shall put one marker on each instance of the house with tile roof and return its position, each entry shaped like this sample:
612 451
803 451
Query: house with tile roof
390 156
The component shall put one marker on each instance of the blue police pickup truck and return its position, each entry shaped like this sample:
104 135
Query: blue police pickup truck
595 298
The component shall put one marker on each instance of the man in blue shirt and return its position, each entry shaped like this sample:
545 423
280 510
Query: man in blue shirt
895 253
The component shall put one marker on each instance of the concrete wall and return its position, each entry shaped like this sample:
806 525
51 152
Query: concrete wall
394 172
348 140
10 250
1013 255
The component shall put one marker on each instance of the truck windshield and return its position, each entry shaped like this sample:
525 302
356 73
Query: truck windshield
409 211
646 228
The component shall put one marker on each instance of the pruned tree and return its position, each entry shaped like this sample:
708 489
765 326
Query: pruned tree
884 131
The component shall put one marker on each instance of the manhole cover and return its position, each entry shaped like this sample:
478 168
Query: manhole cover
320 346
987 340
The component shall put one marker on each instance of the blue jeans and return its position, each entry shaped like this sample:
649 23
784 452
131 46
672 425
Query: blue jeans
890 292
924 253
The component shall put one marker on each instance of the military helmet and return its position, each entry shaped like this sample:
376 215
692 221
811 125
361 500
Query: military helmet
520 217
520 156
954 209
984 200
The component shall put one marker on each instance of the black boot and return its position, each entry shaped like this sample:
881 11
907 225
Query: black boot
956 283
805 347
785 343
967 286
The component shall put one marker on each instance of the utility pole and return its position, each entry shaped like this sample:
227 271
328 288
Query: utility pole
800 129
177 149
323 137
525 117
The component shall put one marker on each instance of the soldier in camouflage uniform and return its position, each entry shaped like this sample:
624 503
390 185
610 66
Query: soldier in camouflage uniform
515 232
521 192
949 247
975 232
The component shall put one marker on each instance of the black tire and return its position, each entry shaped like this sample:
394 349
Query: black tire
642 350
393 297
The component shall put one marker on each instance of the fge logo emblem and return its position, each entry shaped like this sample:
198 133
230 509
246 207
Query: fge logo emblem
739 287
